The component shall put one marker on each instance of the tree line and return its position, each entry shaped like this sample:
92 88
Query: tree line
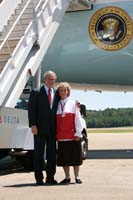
109 118
100 119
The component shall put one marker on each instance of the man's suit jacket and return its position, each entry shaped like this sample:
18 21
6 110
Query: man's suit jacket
40 113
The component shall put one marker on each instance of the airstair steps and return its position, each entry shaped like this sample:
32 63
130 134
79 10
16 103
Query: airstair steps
18 27
25 1
24 16
11 43
19 55
17 32
21 6
4 57
30 6
2 63
23 21
5 50
14 34
27 11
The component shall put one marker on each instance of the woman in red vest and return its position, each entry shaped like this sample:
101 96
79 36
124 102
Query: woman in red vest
69 128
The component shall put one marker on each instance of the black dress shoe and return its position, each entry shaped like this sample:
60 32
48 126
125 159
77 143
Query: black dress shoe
40 182
65 181
77 180
51 181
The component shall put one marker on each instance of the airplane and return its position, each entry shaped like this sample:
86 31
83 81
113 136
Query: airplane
92 50
93 47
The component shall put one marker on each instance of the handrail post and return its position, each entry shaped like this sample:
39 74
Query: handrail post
36 81
8 48
35 21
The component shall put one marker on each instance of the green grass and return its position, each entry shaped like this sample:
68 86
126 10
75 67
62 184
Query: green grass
111 130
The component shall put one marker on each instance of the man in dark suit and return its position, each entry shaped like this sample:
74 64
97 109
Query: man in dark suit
42 120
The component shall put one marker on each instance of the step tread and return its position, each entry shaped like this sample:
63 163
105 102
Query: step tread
13 34
5 50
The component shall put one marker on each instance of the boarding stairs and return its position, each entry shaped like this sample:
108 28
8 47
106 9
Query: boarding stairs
23 43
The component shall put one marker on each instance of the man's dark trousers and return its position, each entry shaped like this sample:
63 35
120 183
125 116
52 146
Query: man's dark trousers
40 143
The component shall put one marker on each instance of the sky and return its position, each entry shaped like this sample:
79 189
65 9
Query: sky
100 101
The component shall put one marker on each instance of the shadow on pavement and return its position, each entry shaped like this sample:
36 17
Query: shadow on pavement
110 154
10 166
34 185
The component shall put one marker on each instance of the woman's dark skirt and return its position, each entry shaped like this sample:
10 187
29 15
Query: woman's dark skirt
69 153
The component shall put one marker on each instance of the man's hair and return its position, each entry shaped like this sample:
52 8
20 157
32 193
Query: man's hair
49 72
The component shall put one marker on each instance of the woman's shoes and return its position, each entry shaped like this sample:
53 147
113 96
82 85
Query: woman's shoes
65 181
77 180
68 180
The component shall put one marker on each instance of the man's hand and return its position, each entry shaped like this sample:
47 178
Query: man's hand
77 138
34 130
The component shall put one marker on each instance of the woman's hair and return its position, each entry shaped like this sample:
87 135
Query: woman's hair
64 85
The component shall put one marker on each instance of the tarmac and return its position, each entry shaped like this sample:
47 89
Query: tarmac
107 174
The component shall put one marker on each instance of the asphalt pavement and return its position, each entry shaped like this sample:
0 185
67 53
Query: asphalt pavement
107 174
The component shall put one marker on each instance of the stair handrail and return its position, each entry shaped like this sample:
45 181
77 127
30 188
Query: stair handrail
13 26
40 4
10 60
15 66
